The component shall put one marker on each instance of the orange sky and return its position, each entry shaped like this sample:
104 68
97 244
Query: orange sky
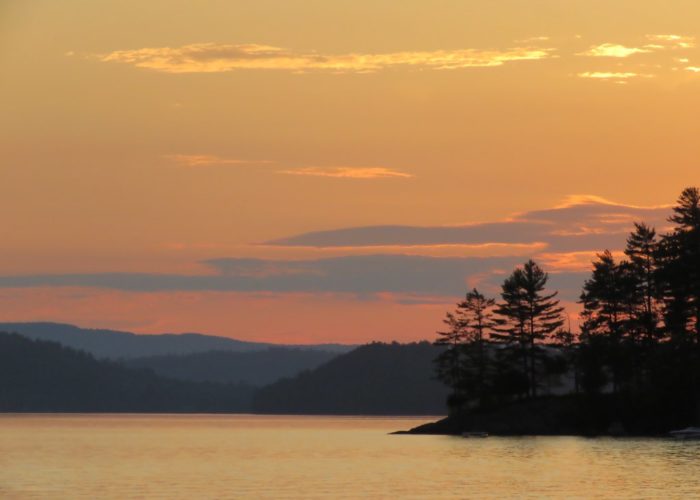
163 161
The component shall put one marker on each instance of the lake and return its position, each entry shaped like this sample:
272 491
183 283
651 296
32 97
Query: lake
250 456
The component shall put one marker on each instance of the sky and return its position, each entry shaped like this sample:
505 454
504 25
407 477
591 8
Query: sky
311 171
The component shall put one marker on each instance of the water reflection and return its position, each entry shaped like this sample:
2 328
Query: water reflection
176 456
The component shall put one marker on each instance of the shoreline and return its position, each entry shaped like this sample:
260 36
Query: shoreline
572 415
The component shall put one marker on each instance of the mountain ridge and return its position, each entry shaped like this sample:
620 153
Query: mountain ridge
115 344
45 376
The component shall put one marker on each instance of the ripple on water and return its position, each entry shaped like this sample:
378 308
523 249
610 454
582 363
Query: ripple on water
235 456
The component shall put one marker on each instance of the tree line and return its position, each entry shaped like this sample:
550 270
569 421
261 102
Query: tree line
639 338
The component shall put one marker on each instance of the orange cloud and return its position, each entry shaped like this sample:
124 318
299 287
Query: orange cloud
216 58
211 160
572 261
573 200
349 172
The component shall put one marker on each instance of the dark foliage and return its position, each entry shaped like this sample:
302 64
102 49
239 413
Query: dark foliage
464 364
529 317
635 364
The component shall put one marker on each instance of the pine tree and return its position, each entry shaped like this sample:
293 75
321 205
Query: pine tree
679 253
477 312
642 268
603 298
528 317
605 311
463 366
449 363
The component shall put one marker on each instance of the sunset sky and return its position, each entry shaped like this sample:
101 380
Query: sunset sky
328 171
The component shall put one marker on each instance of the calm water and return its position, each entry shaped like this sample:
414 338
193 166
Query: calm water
170 456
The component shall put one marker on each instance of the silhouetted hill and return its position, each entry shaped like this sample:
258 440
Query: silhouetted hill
256 368
123 345
38 376
375 379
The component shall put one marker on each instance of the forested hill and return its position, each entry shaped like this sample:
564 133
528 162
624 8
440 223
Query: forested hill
38 376
379 379
256 368
375 379
124 345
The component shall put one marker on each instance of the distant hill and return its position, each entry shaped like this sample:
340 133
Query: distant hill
375 379
124 345
42 376
256 368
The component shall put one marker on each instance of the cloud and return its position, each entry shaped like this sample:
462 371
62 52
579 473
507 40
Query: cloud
672 41
201 160
211 160
534 39
615 76
582 222
349 172
217 58
619 75
694 69
658 43
573 200
577 261
363 276
564 239
613 50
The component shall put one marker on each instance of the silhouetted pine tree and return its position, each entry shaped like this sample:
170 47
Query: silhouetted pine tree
642 249
477 312
463 366
640 328
449 363
603 298
679 255
605 312
528 318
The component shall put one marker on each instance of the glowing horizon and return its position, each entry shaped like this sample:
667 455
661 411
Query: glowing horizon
328 172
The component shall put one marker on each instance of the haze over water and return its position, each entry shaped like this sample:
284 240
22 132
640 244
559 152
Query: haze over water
244 456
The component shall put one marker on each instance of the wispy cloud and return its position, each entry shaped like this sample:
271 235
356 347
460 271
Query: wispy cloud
564 238
533 39
583 222
614 76
211 160
576 262
655 43
216 58
672 41
206 160
349 172
574 200
613 50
